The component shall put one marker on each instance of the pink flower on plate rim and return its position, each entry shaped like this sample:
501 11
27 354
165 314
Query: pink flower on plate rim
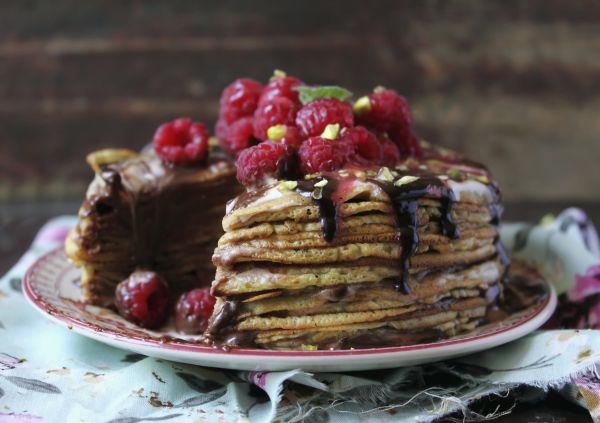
586 285
52 234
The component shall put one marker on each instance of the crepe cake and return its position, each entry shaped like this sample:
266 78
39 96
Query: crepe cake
141 212
363 257
349 230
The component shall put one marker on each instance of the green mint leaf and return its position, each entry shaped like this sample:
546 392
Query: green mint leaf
308 94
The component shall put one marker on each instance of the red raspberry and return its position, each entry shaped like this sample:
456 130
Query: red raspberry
316 115
143 298
265 159
281 87
239 99
279 111
181 141
291 136
388 110
239 136
391 154
193 309
323 155
221 129
365 143
407 142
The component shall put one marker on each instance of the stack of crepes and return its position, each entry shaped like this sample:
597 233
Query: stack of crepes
358 259
142 213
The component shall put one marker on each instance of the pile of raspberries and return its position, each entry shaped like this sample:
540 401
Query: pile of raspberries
272 133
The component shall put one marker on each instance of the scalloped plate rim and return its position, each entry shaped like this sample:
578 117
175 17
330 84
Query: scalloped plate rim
254 359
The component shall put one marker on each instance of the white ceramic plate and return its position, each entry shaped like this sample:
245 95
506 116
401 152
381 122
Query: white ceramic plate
52 287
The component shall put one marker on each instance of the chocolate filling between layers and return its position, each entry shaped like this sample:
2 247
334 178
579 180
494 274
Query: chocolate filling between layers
522 294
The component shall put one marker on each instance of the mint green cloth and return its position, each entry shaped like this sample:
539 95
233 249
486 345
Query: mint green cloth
50 374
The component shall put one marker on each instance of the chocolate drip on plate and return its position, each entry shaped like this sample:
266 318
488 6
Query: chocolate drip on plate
221 329
224 318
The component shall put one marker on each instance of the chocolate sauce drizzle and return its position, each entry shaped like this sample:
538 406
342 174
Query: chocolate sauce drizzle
323 198
404 199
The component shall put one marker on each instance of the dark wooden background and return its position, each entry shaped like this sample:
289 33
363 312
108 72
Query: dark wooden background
514 84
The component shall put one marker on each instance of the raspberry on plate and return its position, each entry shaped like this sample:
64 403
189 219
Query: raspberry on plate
316 115
193 309
383 110
239 136
368 148
143 298
288 135
320 154
278 111
281 85
239 99
263 160
181 142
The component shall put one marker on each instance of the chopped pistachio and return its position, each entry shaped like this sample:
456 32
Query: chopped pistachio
422 167
378 89
99 158
482 178
408 179
547 220
402 168
278 73
385 174
361 105
308 347
287 185
360 174
317 194
371 173
276 132
311 176
343 173
321 183
331 131
213 142
395 174
454 173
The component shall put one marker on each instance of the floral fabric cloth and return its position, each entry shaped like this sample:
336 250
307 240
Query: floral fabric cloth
49 374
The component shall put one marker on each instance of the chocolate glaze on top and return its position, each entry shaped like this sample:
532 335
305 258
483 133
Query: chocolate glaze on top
150 205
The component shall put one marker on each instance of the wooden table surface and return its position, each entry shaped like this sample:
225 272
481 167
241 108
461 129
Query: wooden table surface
19 223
